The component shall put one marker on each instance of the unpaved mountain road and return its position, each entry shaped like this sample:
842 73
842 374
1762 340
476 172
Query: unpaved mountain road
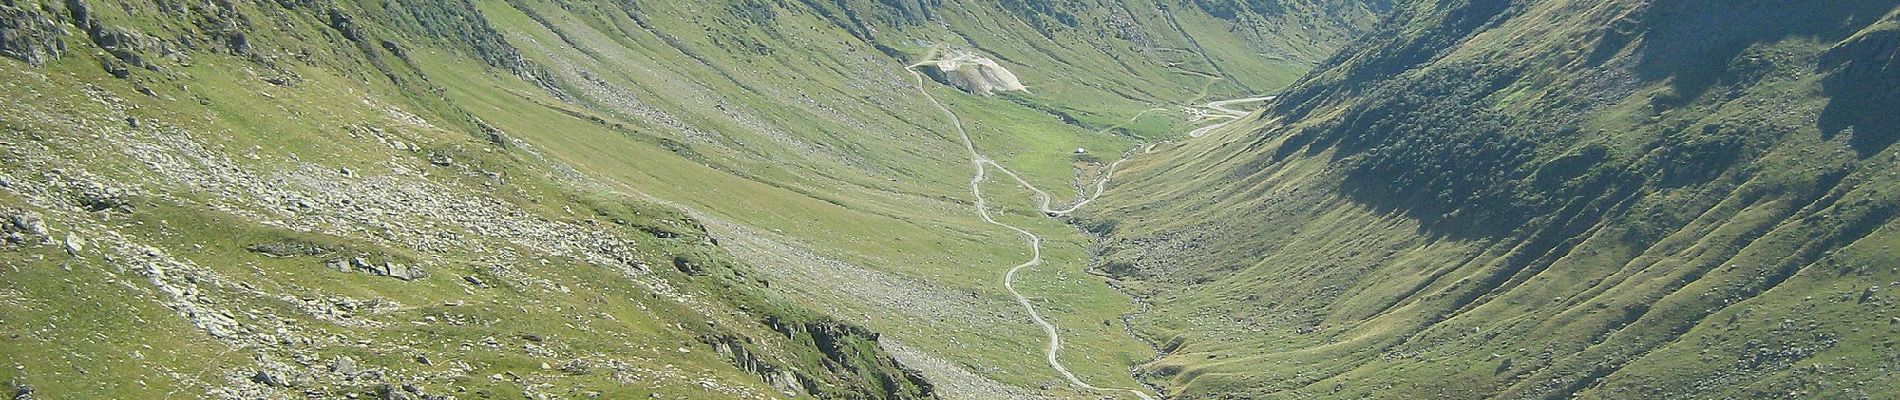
1221 106
1230 114
982 164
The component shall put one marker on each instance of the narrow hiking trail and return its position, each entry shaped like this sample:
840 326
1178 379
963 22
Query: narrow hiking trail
982 165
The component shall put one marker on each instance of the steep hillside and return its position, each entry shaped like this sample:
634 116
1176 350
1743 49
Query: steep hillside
1540 199
556 199
197 207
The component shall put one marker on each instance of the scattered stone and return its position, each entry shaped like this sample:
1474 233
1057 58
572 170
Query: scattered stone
686 266
115 67
74 244
343 365
289 248
535 350
25 228
337 264
22 392
267 378
472 280
101 198
494 135
391 392
441 160
132 121
532 337
398 271
29 224
577 367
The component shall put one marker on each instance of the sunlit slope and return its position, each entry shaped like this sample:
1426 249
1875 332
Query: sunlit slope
733 199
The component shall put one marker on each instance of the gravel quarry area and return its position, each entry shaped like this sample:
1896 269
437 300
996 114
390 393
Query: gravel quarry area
972 72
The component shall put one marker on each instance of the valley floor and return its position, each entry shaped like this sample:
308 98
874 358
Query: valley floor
983 164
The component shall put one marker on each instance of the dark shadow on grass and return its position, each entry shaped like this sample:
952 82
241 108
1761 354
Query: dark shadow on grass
1863 90
1699 45
1430 145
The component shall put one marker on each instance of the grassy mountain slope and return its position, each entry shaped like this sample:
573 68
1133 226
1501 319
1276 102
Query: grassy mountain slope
498 198
1547 199
226 223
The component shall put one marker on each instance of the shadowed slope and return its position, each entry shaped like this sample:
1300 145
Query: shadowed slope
1539 200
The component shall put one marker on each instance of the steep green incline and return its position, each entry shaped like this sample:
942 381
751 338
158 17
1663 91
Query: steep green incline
267 200
614 198
1541 199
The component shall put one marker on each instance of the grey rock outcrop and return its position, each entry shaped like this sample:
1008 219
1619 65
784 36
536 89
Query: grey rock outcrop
268 378
25 228
21 392
343 365
29 35
74 245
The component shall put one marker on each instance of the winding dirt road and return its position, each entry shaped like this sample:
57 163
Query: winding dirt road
982 165
1230 114
1221 106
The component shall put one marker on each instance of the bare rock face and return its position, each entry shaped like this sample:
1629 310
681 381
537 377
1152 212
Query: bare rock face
977 74
28 35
